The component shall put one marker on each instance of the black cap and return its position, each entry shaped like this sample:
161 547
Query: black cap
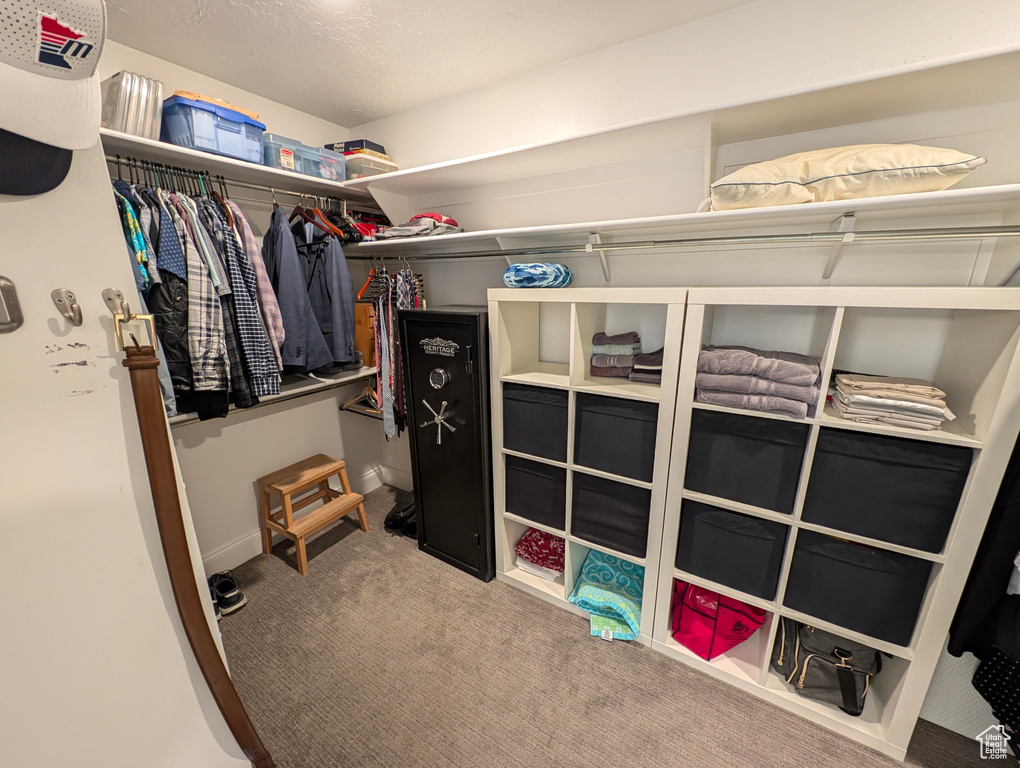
29 167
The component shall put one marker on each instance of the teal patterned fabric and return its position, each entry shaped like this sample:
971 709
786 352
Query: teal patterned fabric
610 589
538 276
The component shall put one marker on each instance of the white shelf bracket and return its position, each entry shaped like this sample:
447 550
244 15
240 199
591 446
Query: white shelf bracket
596 239
844 224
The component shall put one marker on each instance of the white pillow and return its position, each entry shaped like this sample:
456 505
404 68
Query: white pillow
843 173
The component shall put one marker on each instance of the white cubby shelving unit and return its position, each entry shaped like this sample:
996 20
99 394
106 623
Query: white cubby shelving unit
963 339
543 339
634 189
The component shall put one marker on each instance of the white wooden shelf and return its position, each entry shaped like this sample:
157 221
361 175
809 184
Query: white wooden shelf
869 722
722 589
950 433
871 213
642 561
563 160
899 651
539 459
542 375
126 145
741 662
529 582
920 554
744 412
549 375
293 387
533 524
736 506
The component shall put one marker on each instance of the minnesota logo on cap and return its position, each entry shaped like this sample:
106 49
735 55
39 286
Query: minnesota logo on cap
58 41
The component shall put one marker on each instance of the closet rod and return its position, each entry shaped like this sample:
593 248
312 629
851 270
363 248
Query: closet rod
283 397
245 184
809 238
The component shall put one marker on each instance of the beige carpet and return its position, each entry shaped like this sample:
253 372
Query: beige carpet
384 656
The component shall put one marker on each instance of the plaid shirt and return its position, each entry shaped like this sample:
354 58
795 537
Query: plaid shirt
241 393
262 368
206 341
267 296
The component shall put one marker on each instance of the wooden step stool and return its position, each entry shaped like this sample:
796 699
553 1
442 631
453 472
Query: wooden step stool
295 479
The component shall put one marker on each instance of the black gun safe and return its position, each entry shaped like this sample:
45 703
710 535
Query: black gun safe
446 359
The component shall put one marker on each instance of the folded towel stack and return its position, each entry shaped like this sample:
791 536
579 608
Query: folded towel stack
610 590
648 368
613 356
541 554
900 402
783 383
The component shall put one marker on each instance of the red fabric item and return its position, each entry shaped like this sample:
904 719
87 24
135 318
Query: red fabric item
541 548
437 217
709 623
368 230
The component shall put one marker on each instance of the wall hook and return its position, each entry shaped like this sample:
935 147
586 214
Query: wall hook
68 306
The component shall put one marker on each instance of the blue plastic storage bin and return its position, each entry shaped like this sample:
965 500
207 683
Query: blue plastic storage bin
211 128
292 155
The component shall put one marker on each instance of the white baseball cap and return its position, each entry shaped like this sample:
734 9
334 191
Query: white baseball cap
49 85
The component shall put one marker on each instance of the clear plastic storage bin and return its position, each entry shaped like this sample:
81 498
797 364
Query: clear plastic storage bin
211 128
359 166
292 155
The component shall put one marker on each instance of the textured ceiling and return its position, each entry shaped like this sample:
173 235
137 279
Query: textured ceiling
353 61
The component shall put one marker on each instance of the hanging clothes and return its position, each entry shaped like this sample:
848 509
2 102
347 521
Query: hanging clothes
993 565
403 290
213 243
330 288
304 348
168 303
268 304
258 359
207 344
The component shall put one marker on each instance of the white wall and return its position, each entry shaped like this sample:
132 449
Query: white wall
277 117
97 670
758 51
220 460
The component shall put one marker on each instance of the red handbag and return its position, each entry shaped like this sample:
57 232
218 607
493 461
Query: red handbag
708 623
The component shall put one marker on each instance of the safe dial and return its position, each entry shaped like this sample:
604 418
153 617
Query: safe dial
439 419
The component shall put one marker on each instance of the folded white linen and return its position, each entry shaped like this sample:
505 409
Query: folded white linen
537 570
894 406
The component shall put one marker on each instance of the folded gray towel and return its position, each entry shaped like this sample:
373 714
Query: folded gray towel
645 378
630 337
650 359
752 385
616 349
610 373
787 367
765 403
612 361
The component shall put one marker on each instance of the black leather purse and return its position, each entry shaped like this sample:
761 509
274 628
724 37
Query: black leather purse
825 667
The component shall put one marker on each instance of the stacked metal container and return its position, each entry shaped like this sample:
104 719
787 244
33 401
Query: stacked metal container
133 104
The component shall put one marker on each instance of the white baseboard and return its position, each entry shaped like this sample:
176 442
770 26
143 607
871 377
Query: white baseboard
249 544
397 478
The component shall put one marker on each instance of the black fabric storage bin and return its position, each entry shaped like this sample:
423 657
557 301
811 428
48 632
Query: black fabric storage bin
748 459
889 488
872 591
616 435
535 421
536 491
612 514
738 551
